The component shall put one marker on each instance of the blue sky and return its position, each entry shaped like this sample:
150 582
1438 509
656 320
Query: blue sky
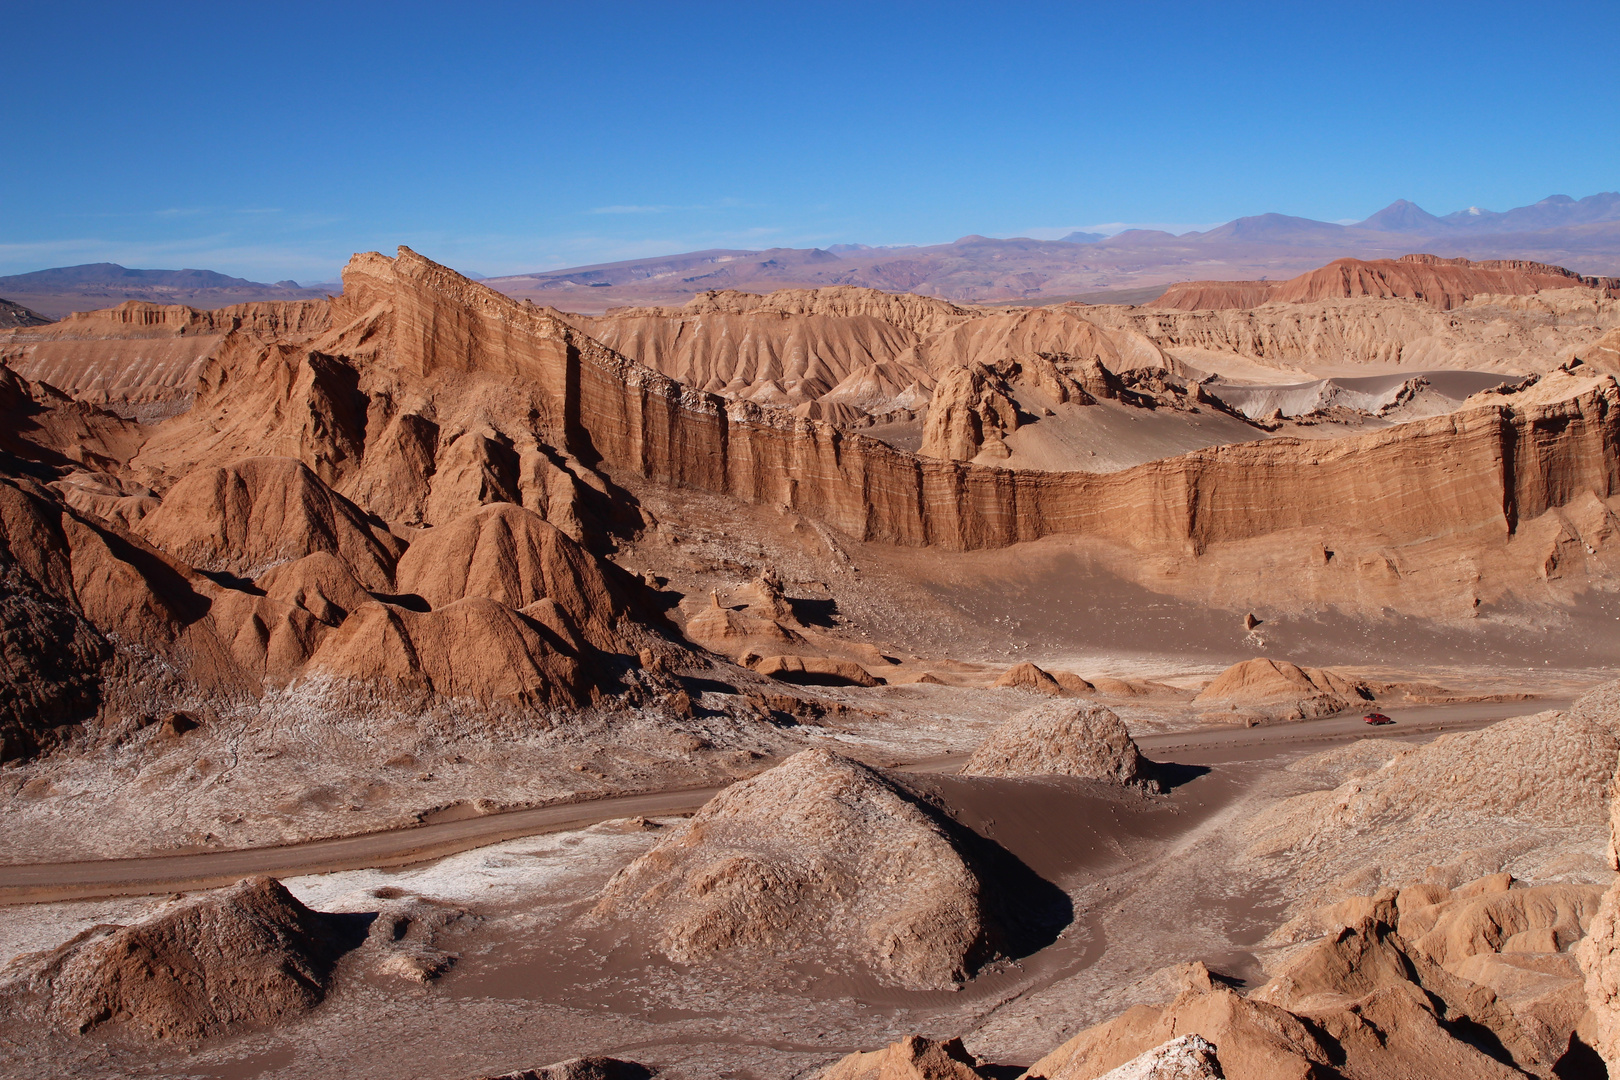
271 141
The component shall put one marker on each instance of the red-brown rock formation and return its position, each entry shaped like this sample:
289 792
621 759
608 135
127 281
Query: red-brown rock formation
142 359
912 1058
824 853
1445 283
1063 739
242 957
506 553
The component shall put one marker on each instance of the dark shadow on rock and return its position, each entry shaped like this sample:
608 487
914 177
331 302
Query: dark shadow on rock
816 678
1478 1036
408 601
1171 775
1024 913
1001 1072
814 612
228 580
347 930
1580 1062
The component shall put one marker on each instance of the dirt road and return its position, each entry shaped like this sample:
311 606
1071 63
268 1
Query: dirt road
150 875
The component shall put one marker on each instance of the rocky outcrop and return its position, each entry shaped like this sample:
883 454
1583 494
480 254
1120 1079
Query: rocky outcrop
912 1058
46 427
16 315
971 413
1451 803
1357 1006
1187 1057
1027 676
815 671
1443 283
823 855
1600 955
243 957
1507 334
1604 353
506 553
1274 683
84 604
141 359
319 583
408 357
253 514
786 348
474 648
1253 1040
1063 739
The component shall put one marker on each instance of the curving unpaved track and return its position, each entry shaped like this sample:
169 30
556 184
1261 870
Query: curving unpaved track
149 875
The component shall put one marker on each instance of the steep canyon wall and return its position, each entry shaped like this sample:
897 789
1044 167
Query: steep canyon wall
1486 467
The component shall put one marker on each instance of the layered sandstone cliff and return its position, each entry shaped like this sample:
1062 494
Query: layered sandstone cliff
427 359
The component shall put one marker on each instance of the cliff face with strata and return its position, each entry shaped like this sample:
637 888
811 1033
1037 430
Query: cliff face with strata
1490 332
424 348
289 502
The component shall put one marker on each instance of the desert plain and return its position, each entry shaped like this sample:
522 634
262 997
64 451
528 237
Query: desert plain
423 682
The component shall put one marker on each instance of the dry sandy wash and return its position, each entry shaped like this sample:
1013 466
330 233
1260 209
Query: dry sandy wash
422 683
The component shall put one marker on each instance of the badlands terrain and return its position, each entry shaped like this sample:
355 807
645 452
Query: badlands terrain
425 682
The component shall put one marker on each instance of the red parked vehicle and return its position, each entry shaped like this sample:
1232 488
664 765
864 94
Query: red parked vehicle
1377 719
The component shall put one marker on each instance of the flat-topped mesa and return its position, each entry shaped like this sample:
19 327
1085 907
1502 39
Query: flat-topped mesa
1445 283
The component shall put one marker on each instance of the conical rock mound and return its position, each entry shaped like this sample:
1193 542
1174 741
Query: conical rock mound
474 648
822 854
509 554
253 514
244 956
1261 681
1063 738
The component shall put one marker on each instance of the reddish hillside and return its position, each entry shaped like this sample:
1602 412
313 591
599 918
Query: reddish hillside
1445 283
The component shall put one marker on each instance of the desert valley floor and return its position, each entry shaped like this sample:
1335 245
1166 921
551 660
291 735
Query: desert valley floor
423 683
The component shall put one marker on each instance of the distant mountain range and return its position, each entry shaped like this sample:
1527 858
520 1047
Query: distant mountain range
1130 267
62 289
